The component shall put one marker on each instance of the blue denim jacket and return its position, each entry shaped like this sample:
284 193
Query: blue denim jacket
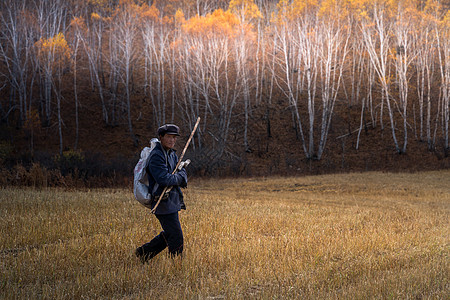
160 168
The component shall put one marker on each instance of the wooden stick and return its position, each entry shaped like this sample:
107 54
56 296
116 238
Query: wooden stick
179 162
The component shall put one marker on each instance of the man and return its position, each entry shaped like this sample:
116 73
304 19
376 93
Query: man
162 162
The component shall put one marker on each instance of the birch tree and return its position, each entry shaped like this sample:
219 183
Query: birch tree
377 32
50 17
247 12
54 55
192 79
15 52
90 40
297 58
210 41
77 25
404 57
124 32
425 69
443 45
93 41
156 37
333 51
267 44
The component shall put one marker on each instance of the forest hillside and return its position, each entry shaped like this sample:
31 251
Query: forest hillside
281 87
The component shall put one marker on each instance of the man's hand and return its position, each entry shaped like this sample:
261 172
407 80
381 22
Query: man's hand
183 178
184 164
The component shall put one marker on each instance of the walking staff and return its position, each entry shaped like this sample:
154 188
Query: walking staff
167 189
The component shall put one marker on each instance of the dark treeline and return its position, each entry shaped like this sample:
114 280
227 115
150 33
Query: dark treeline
232 63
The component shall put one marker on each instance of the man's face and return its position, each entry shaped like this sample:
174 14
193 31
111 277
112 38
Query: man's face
168 141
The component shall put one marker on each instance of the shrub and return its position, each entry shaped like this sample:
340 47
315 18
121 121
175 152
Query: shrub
38 175
72 169
70 161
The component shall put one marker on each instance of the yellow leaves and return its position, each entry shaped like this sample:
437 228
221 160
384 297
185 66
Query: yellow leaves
218 23
53 51
224 17
150 13
98 2
247 9
127 9
446 20
362 15
333 10
289 11
101 5
78 23
282 4
356 4
153 14
218 30
96 17
57 43
167 20
436 8
445 27
299 7
431 6
179 17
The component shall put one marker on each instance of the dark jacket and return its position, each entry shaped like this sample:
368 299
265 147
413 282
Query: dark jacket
160 168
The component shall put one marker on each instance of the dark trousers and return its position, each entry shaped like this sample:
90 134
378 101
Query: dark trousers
171 236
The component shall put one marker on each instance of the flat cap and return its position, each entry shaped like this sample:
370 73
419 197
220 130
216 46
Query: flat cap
168 129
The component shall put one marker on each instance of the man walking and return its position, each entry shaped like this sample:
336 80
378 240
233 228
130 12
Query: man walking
162 162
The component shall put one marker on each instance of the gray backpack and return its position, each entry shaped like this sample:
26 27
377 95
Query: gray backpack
140 186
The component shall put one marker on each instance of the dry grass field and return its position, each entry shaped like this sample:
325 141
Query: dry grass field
348 236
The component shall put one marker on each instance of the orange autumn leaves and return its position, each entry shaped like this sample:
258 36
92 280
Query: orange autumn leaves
222 23
53 52
230 24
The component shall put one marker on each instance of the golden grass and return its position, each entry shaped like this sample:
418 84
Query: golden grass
350 236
